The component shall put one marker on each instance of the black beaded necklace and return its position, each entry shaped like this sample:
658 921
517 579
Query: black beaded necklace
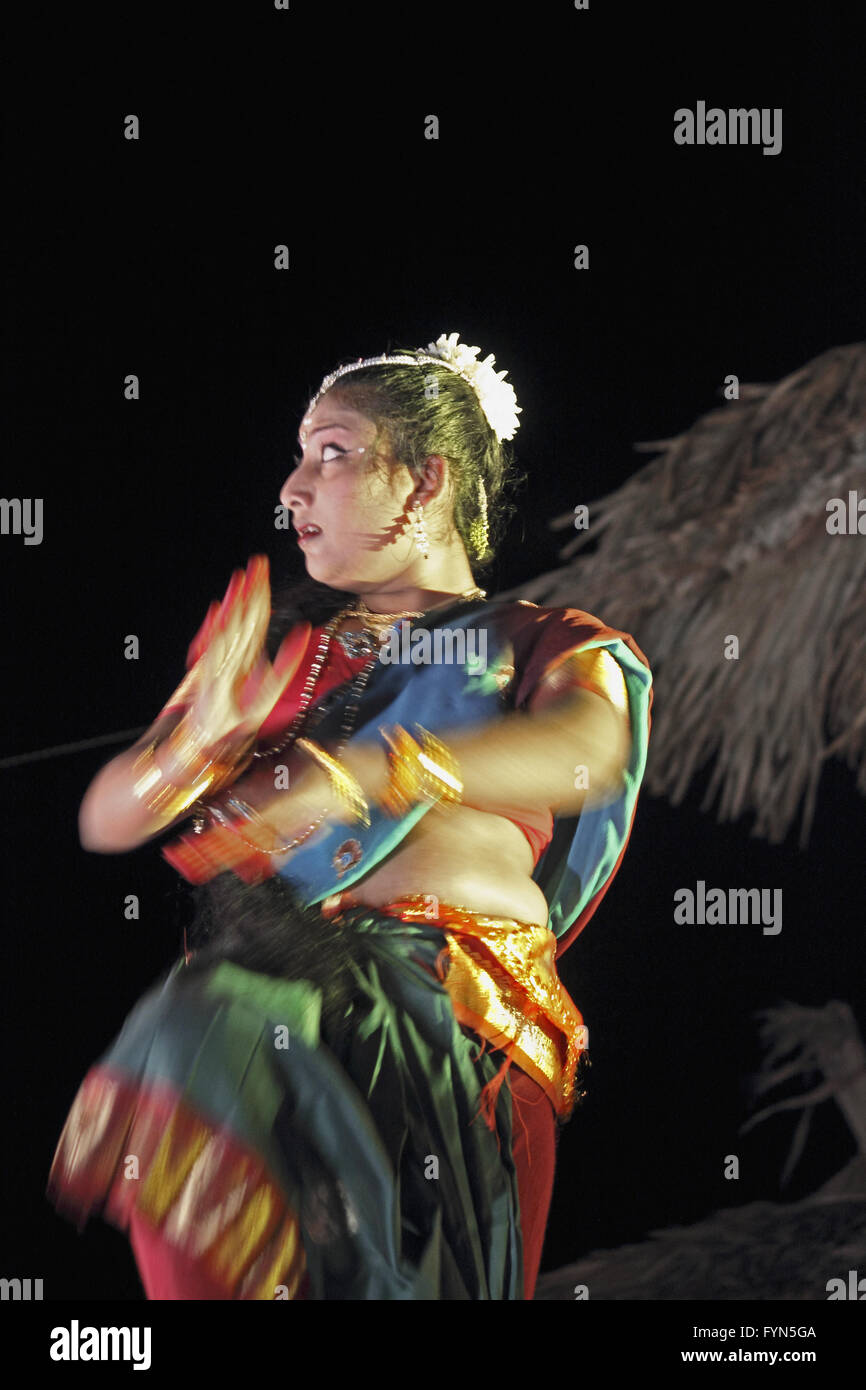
364 643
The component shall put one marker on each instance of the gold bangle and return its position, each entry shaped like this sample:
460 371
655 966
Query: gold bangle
403 788
162 798
443 782
186 745
346 787
190 746
419 772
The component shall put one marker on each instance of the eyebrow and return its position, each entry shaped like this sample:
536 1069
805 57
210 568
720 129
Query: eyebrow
319 429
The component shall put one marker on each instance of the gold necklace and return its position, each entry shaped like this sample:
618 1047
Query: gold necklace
375 626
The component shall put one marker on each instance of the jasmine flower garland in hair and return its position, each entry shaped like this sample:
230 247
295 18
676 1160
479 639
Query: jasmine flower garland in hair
497 396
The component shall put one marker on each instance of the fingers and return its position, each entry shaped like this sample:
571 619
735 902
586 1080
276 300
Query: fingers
255 686
228 607
291 652
253 623
258 608
236 687
267 682
184 694
245 615
236 644
200 642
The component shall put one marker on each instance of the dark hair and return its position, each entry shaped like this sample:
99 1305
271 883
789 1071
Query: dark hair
429 409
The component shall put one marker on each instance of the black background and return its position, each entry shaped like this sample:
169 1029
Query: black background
155 257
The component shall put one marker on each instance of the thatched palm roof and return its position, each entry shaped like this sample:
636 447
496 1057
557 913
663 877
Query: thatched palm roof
726 533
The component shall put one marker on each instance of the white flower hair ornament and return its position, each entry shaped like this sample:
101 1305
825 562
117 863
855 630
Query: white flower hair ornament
495 394
497 397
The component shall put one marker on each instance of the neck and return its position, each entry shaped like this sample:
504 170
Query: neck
447 580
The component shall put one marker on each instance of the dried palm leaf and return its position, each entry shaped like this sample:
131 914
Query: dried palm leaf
726 533
764 1250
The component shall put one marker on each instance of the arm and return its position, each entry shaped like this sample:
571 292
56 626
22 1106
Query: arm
576 717
112 819
528 757
228 691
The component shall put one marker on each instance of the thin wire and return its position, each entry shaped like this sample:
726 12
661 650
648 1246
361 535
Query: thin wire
60 748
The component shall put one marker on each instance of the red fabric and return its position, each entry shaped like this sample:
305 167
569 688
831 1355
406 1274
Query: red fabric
163 1270
539 836
534 1150
168 1275
337 669
541 637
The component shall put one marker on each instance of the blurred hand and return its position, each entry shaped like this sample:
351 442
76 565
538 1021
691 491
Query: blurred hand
231 686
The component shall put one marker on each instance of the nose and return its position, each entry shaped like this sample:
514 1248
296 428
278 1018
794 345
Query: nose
295 490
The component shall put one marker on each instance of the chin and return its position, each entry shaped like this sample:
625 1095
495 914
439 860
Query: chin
322 572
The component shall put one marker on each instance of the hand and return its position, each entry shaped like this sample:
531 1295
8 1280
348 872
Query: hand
249 847
286 813
231 687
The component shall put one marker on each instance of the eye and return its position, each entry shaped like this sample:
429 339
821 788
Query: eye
298 460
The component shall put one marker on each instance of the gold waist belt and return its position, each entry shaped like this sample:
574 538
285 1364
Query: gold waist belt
503 984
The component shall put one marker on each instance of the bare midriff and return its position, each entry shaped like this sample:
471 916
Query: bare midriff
464 857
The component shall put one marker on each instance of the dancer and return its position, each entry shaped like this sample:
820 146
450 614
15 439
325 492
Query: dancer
401 801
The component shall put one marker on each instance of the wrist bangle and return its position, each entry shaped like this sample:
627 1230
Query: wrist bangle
164 799
425 771
443 782
346 787
403 787
191 748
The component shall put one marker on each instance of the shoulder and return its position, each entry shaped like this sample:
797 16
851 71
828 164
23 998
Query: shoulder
532 628
579 647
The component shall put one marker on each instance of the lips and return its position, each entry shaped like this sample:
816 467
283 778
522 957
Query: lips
308 530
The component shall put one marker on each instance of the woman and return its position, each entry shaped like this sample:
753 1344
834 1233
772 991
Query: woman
351 1086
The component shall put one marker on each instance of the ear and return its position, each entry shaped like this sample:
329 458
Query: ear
433 480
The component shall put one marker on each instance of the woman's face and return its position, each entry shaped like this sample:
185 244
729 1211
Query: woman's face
364 537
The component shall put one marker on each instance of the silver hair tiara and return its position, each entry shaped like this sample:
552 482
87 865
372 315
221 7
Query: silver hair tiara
494 393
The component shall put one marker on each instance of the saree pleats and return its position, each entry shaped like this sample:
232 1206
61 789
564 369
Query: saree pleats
277 1147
